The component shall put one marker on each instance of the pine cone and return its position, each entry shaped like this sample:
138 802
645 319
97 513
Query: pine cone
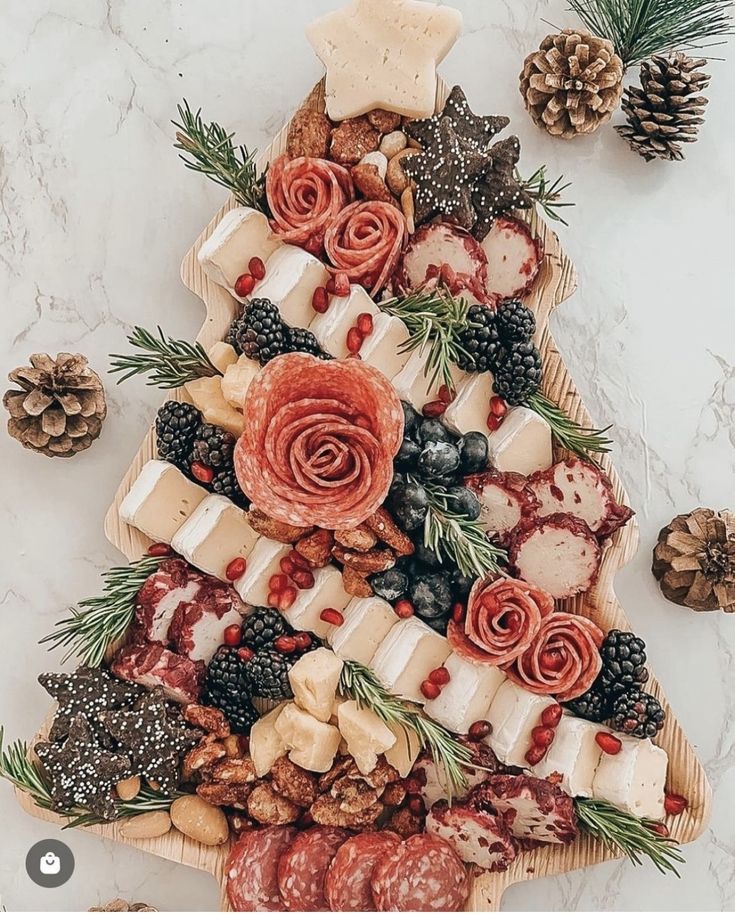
122 905
694 560
60 407
573 83
667 110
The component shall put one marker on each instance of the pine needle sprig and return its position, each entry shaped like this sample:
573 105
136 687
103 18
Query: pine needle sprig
639 29
209 150
99 622
169 363
578 439
547 194
622 832
360 683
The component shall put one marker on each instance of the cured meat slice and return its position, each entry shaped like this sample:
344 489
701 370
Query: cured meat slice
252 869
533 808
506 500
319 442
502 619
349 878
558 553
423 874
563 660
174 582
305 196
581 489
153 665
365 242
514 258
303 868
478 836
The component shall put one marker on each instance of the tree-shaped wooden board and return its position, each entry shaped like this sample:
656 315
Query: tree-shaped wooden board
556 282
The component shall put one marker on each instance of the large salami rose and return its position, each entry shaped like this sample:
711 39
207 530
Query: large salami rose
563 660
503 616
319 441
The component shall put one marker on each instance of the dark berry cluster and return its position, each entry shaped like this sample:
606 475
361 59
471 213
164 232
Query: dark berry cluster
260 333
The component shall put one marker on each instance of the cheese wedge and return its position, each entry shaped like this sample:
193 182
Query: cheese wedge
311 743
366 735
241 234
367 621
306 610
331 328
383 348
469 410
404 752
291 276
314 679
263 562
216 533
467 697
236 380
522 444
206 395
222 355
160 501
634 779
266 744
514 713
412 383
574 756
406 657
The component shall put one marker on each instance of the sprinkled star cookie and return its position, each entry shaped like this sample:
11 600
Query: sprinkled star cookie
473 129
498 190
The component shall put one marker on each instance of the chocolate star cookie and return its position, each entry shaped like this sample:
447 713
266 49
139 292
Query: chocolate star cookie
498 190
474 130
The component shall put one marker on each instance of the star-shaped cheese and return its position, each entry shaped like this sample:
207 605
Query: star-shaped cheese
383 54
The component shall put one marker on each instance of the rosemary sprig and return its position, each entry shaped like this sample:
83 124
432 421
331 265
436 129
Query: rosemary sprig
568 433
360 683
641 28
629 834
98 622
209 150
547 194
169 363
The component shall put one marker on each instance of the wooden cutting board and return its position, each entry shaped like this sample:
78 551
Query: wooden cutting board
556 282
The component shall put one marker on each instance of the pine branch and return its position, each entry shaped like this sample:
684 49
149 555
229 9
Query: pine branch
568 433
209 150
639 29
169 363
623 832
360 683
101 621
546 195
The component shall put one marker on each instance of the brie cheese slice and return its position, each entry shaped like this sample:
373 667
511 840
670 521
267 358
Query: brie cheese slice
467 697
514 713
305 612
263 562
383 347
412 383
291 276
160 501
633 779
367 621
241 234
406 657
331 328
522 444
574 755
469 410
216 533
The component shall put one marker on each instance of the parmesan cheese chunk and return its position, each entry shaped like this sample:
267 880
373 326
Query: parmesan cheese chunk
314 679
266 744
160 501
312 744
366 735
405 751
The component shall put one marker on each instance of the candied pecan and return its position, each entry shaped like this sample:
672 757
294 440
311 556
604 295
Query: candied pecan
394 794
368 181
386 529
208 719
236 746
225 795
357 538
354 796
341 766
308 134
293 782
204 755
276 530
234 771
352 139
382 120
326 811
356 583
383 774
377 560
405 823
316 548
270 808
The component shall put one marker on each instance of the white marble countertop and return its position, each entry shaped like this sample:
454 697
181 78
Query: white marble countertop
95 214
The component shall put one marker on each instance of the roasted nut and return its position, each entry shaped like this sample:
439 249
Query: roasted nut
308 134
208 719
393 143
270 808
355 583
316 548
378 560
408 209
204 755
234 771
396 179
147 825
393 795
235 745
341 766
128 788
377 159
368 181
383 120
201 821
326 811
405 823
221 795
293 782
383 774
276 530
357 538
386 529
352 139
353 795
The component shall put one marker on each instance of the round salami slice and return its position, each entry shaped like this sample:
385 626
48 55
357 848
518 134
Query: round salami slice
349 878
303 868
423 874
252 869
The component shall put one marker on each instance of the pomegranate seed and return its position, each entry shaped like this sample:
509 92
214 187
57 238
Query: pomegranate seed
535 755
354 340
287 597
257 267
286 644
233 635
331 616
303 640
277 582
363 421
404 609
661 829
365 323
479 730
445 395
303 579
299 561
440 676
608 743
458 613
430 690
551 716
159 549
498 407
434 408
341 285
244 285
273 598
201 472
287 566
494 422
542 737
245 654
674 804
235 569
416 806
320 300
552 660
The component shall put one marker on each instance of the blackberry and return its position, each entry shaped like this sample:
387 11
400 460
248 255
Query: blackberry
304 341
176 426
480 342
592 705
515 322
268 673
237 709
225 483
227 674
262 627
517 372
259 332
623 663
213 446
638 714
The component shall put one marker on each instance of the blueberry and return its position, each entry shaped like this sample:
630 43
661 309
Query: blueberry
438 459
411 419
473 452
410 504
464 501
431 595
390 585
425 556
398 480
408 453
461 585
434 430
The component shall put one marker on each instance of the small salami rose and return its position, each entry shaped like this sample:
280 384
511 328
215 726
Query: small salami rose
563 660
503 617
305 196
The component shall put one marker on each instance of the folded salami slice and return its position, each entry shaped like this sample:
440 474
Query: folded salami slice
503 617
349 878
252 869
319 441
303 868
564 658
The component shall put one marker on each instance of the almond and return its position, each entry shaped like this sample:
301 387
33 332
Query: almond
147 825
128 788
199 820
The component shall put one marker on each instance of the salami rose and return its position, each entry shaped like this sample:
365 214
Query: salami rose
306 195
503 617
319 441
563 660
366 241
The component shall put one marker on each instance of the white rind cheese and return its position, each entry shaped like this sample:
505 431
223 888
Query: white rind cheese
522 444
314 679
514 713
306 610
633 779
266 744
216 533
291 276
263 562
469 410
407 655
331 328
574 755
241 234
160 501
367 621
467 697
312 744
365 734
412 383
383 347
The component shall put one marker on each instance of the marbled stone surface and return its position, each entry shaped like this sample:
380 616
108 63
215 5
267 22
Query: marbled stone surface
96 213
